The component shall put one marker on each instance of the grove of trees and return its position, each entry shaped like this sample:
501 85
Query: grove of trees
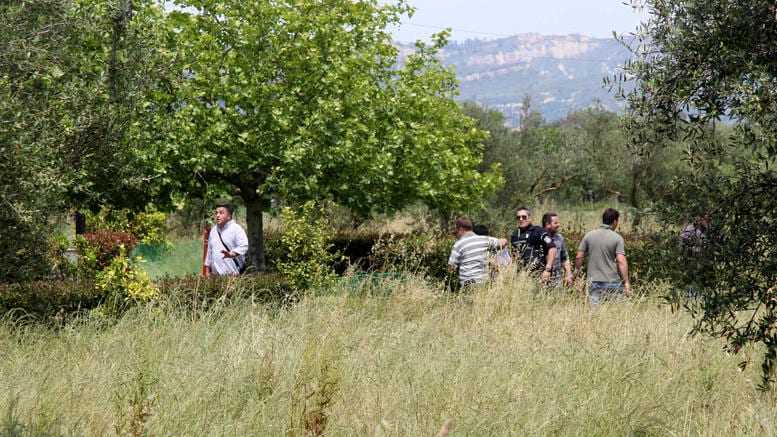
582 158
144 104
301 100
129 104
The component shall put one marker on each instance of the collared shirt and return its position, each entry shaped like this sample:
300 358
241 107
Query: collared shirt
235 237
470 254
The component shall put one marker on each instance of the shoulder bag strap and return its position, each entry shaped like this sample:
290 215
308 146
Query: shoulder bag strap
234 260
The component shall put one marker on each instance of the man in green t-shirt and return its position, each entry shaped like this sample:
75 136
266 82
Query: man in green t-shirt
607 271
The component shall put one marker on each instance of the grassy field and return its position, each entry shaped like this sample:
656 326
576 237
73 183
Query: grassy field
387 358
183 257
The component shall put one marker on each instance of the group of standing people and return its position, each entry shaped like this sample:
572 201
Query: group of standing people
542 251
476 256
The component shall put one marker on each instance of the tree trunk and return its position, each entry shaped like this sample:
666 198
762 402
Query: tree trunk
80 222
444 222
635 201
120 21
255 223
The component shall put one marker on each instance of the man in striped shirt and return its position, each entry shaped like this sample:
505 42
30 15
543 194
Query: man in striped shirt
470 253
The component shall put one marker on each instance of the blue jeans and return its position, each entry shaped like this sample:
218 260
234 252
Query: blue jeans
599 292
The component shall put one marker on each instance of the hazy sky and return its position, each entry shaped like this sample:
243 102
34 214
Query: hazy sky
488 19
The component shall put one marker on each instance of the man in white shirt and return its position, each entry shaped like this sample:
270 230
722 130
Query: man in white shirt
227 244
470 253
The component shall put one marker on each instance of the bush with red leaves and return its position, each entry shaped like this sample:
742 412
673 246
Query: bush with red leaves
107 245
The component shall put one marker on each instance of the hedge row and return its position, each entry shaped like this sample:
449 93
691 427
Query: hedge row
55 299
48 298
651 256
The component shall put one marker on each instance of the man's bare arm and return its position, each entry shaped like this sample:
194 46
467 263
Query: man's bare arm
551 258
568 277
623 270
549 264
579 262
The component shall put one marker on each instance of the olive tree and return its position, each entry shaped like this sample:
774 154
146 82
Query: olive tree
75 77
699 65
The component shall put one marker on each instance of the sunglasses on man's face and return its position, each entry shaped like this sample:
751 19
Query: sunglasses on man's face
522 217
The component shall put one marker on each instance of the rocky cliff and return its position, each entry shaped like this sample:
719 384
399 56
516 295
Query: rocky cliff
559 73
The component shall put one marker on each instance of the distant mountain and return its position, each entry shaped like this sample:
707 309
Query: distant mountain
559 73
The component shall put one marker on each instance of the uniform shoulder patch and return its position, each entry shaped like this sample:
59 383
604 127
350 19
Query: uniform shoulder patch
547 239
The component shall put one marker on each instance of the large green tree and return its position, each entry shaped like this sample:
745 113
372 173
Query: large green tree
75 76
32 51
700 64
305 99
116 61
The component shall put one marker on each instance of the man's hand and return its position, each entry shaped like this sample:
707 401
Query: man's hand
569 279
545 277
228 254
627 289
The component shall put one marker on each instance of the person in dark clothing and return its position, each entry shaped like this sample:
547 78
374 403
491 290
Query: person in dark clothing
533 245
480 229
693 236
693 242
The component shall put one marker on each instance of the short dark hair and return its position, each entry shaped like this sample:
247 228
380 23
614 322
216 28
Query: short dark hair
226 205
610 216
464 223
480 229
523 208
548 217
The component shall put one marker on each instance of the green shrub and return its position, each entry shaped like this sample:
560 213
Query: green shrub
47 300
306 242
59 300
123 284
355 250
23 245
422 254
149 227
199 293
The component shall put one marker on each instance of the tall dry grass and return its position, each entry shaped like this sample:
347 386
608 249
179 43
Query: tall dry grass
382 358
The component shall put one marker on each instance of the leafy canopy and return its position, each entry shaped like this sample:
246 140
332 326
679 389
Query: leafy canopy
305 99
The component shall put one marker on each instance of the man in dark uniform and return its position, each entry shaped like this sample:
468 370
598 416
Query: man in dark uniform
533 246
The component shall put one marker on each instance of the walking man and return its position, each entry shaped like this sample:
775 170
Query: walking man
551 223
533 245
607 268
227 244
470 253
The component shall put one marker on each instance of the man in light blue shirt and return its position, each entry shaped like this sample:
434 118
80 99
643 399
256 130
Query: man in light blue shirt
227 244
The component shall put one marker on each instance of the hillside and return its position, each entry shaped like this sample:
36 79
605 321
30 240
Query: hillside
560 73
